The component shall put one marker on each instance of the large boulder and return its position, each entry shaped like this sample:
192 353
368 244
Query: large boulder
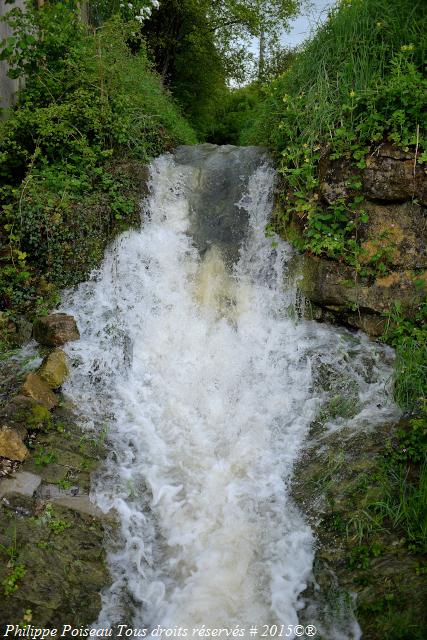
11 445
54 368
36 388
55 330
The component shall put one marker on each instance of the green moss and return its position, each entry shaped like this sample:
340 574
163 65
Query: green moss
39 418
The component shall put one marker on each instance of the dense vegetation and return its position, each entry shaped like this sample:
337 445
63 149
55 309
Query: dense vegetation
96 105
90 108
359 81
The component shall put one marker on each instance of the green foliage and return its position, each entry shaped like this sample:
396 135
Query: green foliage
55 524
43 457
359 81
91 112
233 114
181 26
64 484
10 583
408 335
39 417
199 45
360 556
16 569
58 526
403 504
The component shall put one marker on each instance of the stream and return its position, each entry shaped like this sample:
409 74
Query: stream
194 363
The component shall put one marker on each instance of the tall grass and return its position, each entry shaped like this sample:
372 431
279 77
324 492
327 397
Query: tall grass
411 370
345 62
404 505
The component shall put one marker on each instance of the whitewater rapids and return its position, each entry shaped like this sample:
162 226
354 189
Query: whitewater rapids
193 359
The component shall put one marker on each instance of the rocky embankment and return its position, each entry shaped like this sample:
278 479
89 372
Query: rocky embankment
394 189
52 561
336 483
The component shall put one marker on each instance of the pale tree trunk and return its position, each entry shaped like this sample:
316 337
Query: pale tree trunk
83 8
261 59
8 86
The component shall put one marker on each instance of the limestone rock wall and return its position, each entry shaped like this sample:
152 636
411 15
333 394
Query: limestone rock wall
395 190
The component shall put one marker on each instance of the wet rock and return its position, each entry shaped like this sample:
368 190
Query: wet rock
54 368
11 445
23 412
64 568
55 330
36 388
82 504
59 533
356 301
22 483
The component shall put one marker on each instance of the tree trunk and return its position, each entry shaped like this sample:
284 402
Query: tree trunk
261 60
83 9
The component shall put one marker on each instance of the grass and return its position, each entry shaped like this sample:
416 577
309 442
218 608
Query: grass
404 505
411 370
349 56
359 82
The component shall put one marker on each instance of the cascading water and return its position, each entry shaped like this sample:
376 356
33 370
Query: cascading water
206 381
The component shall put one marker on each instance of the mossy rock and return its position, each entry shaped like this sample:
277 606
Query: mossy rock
23 412
54 369
64 572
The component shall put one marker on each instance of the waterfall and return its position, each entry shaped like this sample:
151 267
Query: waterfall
205 380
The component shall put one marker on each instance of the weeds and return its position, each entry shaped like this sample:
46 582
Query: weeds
43 457
16 569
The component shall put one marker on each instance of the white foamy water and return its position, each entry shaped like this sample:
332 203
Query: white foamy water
207 386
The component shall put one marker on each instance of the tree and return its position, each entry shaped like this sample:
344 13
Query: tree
228 23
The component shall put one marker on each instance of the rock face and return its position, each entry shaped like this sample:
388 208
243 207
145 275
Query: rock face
54 369
393 175
335 480
395 191
58 533
11 445
22 413
336 288
55 330
36 388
